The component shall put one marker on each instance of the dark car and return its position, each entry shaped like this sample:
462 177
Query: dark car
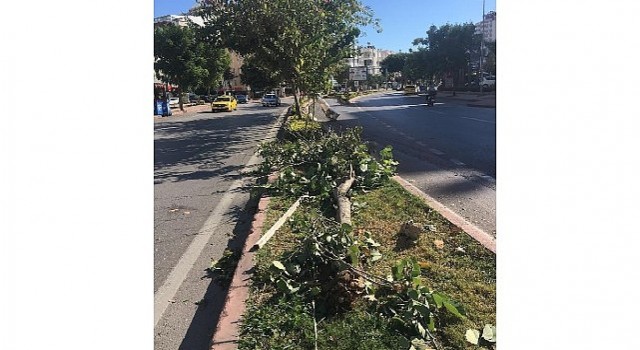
193 98
208 98
242 98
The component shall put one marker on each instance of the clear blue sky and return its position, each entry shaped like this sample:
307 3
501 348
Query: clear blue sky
401 20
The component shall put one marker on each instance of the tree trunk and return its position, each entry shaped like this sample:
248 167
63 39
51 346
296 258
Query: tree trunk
296 100
180 98
344 204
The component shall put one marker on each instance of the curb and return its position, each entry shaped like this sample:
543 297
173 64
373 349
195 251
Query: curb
487 240
227 331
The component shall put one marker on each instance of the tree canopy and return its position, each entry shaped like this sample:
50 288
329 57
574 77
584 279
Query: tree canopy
296 41
184 59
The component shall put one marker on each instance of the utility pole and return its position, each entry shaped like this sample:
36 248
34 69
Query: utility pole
482 50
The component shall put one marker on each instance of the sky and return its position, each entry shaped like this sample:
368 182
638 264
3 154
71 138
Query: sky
401 20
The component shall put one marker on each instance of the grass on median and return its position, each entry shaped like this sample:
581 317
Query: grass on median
453 264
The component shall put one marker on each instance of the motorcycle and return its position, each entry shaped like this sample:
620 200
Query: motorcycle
430 100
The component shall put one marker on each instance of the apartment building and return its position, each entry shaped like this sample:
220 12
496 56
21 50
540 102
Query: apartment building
369 57
488 26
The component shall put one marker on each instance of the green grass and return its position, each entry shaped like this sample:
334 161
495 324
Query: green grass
468 278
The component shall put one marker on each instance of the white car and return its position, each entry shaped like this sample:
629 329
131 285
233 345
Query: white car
174 101
488 81
270 100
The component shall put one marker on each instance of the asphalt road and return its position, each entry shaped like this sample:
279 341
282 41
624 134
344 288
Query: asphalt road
201 207
448 150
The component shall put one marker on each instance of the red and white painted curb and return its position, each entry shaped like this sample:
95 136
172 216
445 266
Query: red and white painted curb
487 240
227 331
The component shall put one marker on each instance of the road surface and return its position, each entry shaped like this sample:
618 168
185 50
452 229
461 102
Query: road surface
201 207
448 150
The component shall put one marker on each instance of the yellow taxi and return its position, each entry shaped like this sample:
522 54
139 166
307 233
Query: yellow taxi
410 90
224 103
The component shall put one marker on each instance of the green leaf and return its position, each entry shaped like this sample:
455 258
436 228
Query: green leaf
346 228
472 336
424 311
415 271
432 323
438 299
416 282
453 309
315 291
398 269
354 254
413 294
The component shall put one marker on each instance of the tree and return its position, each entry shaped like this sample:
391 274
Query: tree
217 61
394 62
449 48
490 65
179 58
297 41
258 77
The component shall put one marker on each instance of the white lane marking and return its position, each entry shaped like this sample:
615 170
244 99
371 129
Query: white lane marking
436 151
179 273
456 162
479 120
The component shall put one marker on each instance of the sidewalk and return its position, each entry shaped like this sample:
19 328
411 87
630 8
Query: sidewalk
189 110
472 99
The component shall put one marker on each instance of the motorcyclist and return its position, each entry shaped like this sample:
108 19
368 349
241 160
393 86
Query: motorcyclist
431 91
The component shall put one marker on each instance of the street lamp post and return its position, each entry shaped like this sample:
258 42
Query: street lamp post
481 49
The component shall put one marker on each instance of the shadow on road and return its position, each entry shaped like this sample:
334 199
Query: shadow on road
205 320
414 158
196 149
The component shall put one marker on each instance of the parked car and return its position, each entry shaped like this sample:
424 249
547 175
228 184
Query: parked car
224 103
486 82
242 98
270 100
174 101
208 98
410 90
193 98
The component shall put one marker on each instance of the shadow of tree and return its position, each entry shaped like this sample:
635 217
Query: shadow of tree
198 149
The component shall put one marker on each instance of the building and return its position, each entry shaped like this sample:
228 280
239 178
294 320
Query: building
179 20
369 57
488 26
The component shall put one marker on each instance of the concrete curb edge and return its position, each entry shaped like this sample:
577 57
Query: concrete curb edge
227 331
487 240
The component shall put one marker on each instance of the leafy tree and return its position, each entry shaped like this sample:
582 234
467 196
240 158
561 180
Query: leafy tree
298 41
341 72
490 65
180 59
449 48
217 61
258 77
394 62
